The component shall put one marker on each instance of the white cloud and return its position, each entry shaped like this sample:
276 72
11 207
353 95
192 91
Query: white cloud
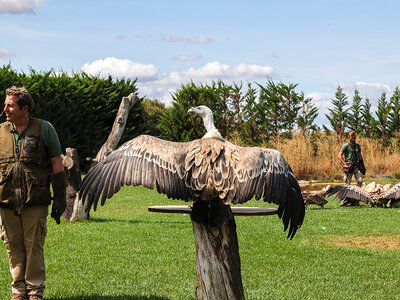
19 6
164 86
187 57
216 70
187 39
152 85
372 91
5 53
119 68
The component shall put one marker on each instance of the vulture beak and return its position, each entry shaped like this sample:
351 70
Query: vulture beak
191 111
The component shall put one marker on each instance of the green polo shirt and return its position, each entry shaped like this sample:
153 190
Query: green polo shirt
351 153
49 136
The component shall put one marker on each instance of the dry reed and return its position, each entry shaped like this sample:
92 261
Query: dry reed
316 157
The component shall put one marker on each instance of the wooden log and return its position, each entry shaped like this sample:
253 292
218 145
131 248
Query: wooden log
218 262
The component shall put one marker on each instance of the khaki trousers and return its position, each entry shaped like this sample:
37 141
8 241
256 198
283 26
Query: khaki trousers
24 237
357 174
347 179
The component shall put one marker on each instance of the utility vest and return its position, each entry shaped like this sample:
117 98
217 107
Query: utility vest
24 173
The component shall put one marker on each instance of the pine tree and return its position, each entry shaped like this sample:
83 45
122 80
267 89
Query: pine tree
367 120
338 115
251 133
394 115
290 100
355 120
307 114
270 110
381 128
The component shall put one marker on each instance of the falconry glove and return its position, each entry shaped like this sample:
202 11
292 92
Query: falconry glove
59 202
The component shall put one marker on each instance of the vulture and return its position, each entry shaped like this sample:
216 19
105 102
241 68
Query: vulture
210 172
316 197
357 193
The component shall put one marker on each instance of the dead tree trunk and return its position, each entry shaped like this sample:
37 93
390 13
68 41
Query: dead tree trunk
79 211
118 127
218 262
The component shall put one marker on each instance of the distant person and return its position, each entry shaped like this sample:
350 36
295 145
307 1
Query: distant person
350 156
30 157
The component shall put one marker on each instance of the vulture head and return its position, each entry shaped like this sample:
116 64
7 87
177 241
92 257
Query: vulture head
208 119
209 172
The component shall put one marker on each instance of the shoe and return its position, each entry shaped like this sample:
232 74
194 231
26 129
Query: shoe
35 297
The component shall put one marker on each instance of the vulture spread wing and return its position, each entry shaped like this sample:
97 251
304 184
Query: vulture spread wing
350 192
146 161
200 170
392 193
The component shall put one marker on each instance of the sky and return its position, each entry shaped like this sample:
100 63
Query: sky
163 44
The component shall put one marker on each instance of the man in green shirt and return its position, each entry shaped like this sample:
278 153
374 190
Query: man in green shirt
30 158
350 155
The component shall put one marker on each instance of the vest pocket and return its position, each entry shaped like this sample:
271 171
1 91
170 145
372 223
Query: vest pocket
3 176
6 187
38 188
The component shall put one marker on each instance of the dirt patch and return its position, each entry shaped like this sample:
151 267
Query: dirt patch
384 242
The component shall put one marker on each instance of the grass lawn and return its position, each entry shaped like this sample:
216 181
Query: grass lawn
126 252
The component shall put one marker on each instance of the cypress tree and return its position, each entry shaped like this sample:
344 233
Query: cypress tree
81 107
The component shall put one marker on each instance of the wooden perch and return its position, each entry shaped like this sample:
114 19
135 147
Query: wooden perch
217 253
218 262
118 127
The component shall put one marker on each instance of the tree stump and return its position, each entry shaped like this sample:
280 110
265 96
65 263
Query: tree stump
73 179
218 262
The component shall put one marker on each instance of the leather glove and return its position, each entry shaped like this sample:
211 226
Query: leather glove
59 202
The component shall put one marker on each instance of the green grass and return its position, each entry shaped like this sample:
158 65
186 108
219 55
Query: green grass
126 252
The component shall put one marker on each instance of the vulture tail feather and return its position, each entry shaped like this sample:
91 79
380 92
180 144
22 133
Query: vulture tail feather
213 213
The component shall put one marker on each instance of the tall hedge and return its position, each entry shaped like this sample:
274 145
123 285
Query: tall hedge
81 107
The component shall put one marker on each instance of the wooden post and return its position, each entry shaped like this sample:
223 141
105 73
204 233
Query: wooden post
218 262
